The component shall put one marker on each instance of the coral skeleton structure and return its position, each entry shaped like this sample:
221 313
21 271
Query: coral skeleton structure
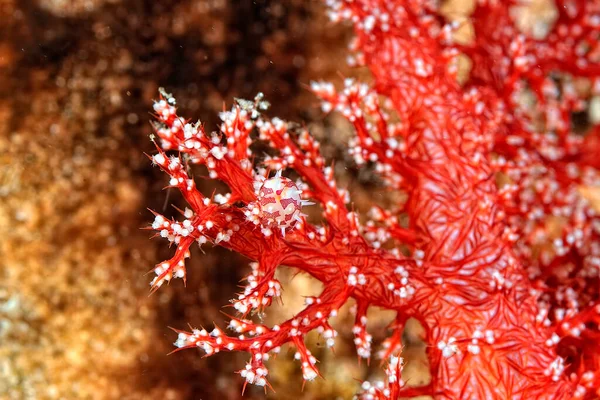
500 257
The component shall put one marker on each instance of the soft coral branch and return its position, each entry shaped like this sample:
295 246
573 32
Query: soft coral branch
335 254
509 308
259 340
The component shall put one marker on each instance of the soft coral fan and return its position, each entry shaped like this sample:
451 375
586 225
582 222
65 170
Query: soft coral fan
510 306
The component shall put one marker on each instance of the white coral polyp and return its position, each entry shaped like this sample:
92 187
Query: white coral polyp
255 375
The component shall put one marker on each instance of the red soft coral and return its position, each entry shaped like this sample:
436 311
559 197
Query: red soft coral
510 309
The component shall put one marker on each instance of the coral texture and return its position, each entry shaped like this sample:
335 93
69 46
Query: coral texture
495 249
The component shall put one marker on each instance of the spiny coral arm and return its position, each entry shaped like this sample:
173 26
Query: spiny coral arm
314 315
327 253
343 261
201 148
328 256
304 157
179 178
378 140
259 340
230 163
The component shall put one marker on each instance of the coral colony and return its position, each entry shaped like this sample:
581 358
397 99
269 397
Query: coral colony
502 236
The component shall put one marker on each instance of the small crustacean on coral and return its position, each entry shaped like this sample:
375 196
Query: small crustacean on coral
280 202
